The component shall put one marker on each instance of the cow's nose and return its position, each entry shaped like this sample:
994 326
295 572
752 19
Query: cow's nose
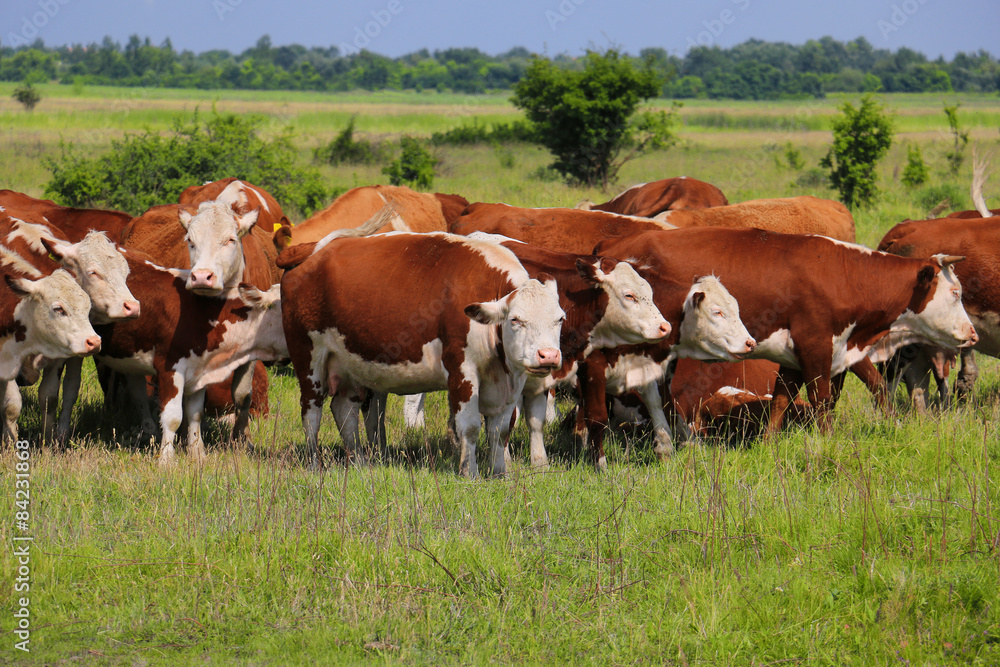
202 278
548 356
664 329
93 344
751 344
974 337
131 309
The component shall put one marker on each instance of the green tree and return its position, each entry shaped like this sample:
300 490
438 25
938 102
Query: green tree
861 137
27 95
415 166
585 117
956 156
915 172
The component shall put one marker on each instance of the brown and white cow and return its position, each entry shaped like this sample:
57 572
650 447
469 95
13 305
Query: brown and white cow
33 249
976 240
48 317
415 212
409 313
669 194
189 342
815 305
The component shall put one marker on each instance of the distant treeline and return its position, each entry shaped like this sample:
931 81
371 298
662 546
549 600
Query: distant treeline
752 70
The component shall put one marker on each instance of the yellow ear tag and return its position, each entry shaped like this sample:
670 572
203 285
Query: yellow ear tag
277 226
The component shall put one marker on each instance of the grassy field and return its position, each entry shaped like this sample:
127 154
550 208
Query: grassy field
878 544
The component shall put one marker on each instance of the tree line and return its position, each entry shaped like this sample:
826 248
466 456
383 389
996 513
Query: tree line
752 70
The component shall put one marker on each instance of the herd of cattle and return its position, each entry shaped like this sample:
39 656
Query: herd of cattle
708 313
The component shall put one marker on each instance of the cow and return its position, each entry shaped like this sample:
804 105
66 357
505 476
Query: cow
607 304
670 194
815 305
189 342
979 274
728 397
73 223
408 313
222 249
49 317
416 212
33 249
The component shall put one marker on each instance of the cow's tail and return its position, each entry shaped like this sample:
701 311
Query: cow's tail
294 255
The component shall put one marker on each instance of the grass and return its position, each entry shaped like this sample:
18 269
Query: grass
877 544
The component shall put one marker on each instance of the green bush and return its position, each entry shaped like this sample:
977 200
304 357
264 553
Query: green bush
415 166
956 156
465 135
861 137
932 195
345 149
27 95
915 173
147 169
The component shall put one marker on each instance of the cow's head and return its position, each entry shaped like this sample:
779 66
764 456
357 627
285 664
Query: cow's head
712 329
214 238
631 316
101 271
56 313
935 315
530 320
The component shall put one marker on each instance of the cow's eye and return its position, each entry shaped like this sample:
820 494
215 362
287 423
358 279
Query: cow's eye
231 242
719 313
517 322
957 294
631 297
94 273
58 310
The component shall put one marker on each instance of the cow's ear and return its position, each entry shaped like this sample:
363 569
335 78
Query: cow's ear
245 223
592 269
19 286
697 298
926 276
281 238
184 217
250 295
488 312
60 251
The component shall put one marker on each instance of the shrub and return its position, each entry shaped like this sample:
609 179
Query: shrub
932 195
793 157
956 156
505 156
415 166
464 135
585 117
345 149
915 172
147 169
811 178
27 95
861 137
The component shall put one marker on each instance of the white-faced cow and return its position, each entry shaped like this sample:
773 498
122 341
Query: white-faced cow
409 313
815 305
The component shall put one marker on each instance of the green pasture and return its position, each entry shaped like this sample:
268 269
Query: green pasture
877 544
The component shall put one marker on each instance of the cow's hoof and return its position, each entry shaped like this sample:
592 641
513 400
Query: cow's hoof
602 464
664 452
540 464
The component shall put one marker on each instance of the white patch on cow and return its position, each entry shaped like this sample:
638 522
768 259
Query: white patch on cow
712 330
492 238
496 256
31 234
843 356
735 392
779 348
397 221
9 258
140 363
632 371
864 250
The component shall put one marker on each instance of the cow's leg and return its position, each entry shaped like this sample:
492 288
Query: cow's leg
194 408
171 386
551 410
310 370
48 399
662 437
820 395
535 414
867 373
135 390
786 388
940 362
467 434
497 432
346 409
593 385
965 383
917 376
70 392
11 410
375 420
242 395
413 411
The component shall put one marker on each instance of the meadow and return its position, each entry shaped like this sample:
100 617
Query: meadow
877 544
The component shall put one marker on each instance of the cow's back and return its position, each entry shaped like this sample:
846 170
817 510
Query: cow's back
791 215
73 223
669 194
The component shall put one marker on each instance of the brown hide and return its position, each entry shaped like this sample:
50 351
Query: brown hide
793 215
669 194
73 223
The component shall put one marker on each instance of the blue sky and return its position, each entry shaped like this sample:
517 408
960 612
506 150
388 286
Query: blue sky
396 27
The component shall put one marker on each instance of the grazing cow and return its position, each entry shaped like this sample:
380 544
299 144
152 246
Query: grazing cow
727 397
977 241
409 313
73 223
815 305
33 249
49 317
416 212
670 194
189 342
222 248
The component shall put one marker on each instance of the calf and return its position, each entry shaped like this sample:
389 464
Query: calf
816 306
409 313
189 342
48 317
